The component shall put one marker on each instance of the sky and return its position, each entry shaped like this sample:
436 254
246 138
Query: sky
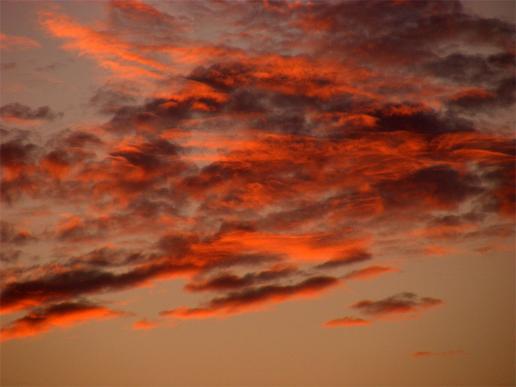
257 193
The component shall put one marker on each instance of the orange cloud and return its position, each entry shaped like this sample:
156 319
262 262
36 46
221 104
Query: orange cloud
368 272
144 325
424 354
254 299
54 316
14 41
347 322
123 58
246 161
303 247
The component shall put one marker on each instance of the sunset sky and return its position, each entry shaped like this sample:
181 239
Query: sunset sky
248 193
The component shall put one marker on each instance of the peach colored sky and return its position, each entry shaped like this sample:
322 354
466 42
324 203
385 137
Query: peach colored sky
257 193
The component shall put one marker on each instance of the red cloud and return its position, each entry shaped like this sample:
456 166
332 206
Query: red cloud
144 325
102 47
14 41
228 281
347 322
254 298
368 272
423 354
54 316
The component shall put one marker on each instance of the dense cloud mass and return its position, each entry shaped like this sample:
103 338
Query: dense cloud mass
286 155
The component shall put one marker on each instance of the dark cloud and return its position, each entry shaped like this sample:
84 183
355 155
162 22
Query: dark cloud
234 302
8 256
503 96
502 199
55 315
22 112
247 165
156 113
72 283
470 69
225 76
8 65
108 99
17 153
9 234
143 19
228 281
439 186
411 31
18 161
399 303
175 245
148 155
419 119
348 259
225 259
107 257
79 139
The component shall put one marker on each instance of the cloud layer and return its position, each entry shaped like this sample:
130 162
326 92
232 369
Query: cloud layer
297 150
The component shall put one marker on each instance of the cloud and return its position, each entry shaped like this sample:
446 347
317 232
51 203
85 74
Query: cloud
53 316
254 298
72 283
246 159
22 114
348 259
424 354
346 322
471 69
18 163
405 29
144 325
474 100
228 281
8 66
9 235
137 17
107 49
368 272
438 186
398 304
146 156
109 98
8 256
16 153
17 42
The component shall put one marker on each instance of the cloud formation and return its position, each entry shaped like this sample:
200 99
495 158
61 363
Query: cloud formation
17 42
21 114
424 354
346 322
398 304
368 272
55 316
254 298
301 146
